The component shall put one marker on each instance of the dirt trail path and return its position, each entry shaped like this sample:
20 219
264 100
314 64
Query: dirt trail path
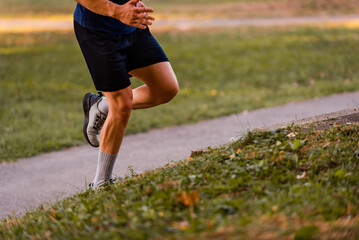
65 24
30 182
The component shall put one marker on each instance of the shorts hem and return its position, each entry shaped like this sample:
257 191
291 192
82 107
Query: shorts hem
113 89
154 61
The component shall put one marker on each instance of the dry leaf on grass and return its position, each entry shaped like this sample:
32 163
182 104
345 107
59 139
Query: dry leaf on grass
188 199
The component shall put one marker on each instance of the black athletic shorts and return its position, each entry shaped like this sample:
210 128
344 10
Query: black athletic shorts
110 57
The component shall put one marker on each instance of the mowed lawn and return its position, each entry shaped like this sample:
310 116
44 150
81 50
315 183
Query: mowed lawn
43 78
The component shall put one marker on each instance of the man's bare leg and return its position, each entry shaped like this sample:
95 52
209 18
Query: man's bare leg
160 85
120 105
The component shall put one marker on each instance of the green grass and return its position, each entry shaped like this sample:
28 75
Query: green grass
43 78
266 184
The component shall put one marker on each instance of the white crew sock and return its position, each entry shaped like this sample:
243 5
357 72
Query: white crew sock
105 166
103 106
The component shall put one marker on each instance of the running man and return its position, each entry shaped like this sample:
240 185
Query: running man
116 43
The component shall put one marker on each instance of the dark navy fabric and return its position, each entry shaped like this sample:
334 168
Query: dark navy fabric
110 57
94 21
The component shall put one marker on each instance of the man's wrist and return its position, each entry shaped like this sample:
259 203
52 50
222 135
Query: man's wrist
113 9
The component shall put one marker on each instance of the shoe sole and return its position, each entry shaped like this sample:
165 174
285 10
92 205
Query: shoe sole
86 104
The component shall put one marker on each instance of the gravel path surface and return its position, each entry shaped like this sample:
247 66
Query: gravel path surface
30 182
24 25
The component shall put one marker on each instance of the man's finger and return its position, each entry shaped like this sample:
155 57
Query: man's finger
138 22
139 25
145 22
142 22
144 9
145 16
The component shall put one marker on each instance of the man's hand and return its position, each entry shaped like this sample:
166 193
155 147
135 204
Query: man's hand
136 16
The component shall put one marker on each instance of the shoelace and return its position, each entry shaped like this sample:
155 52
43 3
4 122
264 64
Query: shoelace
99 121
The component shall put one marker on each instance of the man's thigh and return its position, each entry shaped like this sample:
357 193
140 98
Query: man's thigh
158 77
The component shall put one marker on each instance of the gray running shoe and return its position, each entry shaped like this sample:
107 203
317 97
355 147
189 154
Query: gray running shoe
103 185
94 119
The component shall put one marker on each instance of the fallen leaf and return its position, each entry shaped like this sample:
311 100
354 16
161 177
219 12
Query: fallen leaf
148 190
188 199
274 208
214 92
209 224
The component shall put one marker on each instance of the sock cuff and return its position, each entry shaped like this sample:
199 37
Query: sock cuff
106 155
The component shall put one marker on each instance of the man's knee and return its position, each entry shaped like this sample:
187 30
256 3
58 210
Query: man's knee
168 94
120 105
122 110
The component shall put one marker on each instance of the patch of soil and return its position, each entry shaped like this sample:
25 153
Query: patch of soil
331 122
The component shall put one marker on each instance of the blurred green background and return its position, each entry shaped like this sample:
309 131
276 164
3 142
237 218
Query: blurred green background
194 8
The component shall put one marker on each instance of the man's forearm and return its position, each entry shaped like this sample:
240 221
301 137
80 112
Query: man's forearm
102 7
128 13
